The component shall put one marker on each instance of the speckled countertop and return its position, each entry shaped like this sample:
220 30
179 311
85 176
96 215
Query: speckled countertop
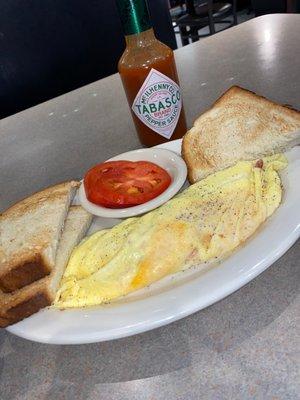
245 346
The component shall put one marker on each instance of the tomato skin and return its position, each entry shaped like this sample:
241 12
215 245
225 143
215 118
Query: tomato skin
120 184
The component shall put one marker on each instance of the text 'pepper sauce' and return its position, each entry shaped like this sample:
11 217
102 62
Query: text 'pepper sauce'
148 72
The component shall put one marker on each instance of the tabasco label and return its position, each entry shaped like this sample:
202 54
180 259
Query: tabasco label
158 103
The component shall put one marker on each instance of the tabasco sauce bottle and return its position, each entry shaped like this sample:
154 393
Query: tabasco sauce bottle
148 72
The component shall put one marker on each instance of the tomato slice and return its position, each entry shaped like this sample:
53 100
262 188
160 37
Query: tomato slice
120 184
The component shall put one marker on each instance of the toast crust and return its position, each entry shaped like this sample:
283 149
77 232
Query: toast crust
4 322
26 307
233 90
34 267
25 204
208 159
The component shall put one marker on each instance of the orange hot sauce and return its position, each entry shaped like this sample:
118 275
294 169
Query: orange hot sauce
149 76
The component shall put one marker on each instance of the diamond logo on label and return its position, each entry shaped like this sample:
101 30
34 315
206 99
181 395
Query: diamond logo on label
158 103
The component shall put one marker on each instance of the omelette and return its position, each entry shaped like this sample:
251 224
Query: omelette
206 221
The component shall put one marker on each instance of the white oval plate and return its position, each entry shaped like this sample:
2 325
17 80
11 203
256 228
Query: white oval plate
179 295
166 159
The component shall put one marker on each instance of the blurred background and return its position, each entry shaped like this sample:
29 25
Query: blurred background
50 47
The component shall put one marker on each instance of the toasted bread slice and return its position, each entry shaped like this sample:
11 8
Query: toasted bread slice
29 235
239 126
26 301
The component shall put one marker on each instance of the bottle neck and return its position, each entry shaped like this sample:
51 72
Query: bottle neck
134 16
141 40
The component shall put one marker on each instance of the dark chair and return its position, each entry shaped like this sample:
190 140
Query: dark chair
177 12
49 47
205 13
262 7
